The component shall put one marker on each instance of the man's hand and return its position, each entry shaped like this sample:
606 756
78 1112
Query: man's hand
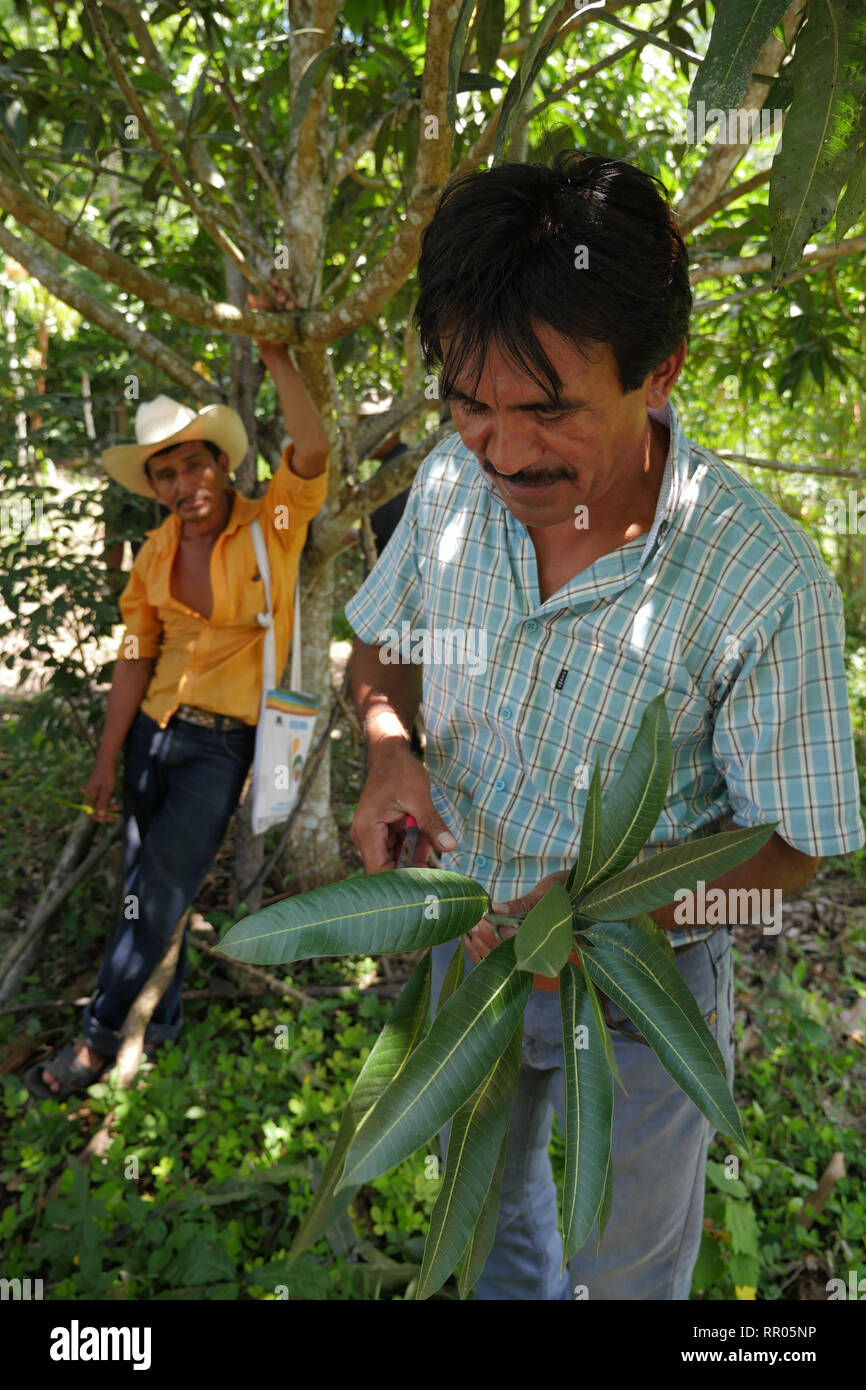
397 785
98 788
272 352
302 420
481 940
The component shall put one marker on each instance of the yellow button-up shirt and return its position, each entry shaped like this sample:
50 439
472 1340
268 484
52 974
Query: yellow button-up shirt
216 663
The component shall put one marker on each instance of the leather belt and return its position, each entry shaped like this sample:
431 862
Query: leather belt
686 938
206 719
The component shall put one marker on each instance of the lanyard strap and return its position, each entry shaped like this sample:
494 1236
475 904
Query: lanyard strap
266 619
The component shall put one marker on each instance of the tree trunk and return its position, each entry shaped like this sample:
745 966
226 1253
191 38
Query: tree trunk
249 853
246 377
313 853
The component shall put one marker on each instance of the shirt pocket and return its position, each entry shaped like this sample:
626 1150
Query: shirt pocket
245 595
595 715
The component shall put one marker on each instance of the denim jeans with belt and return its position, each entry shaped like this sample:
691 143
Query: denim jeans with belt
659 1151
180 787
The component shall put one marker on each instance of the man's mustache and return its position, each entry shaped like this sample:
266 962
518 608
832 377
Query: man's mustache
535 478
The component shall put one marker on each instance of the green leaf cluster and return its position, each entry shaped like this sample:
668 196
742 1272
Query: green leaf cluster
593 932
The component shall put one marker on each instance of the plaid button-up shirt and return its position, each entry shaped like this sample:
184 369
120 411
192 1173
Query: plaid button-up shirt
725 604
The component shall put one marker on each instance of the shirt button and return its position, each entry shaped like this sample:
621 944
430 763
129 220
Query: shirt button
507 711
499 784
532 625
480 860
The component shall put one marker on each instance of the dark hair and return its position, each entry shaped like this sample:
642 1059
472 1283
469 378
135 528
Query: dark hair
502 248
208 444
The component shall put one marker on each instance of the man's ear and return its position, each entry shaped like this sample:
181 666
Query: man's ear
662 379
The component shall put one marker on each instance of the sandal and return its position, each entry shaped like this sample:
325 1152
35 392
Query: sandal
65 1068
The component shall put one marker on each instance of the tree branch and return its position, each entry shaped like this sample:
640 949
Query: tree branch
364 142
594 69
731 195
44 222
384 485
375 231
143 344
751 265
650 36
198 157
722 159
517 47
431 171
774 464
193 202
255 152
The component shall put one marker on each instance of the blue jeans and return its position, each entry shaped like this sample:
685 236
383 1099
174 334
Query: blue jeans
180 787
659 1148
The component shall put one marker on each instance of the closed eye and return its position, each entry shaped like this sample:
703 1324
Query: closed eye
548 415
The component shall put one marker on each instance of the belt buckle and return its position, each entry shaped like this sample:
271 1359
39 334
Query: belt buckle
202 718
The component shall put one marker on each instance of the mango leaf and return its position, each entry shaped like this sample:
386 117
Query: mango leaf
476 1138
537 52
484 1230
391 1050
488 33
656 881
852 204
590 839
636 800
544 937
603 1029
310 79
467 1036
637 977
453 977
588 1112
74 139
740 30
642 950
823 129
655 933
477 82
398 910
606 1201
382 143
455 57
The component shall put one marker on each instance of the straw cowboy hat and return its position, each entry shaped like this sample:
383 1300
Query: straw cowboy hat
162 422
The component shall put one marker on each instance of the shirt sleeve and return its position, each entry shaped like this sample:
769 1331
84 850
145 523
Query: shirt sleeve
290 500
143 633
391 593
783 738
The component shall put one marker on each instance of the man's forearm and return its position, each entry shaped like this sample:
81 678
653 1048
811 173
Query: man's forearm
777 865
129 684
387 696
301 417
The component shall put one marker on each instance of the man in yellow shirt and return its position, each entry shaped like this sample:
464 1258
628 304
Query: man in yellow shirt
186 689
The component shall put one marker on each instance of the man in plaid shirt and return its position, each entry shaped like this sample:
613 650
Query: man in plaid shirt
597 557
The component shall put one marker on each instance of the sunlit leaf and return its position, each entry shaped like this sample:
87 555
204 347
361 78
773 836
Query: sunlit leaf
399 910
